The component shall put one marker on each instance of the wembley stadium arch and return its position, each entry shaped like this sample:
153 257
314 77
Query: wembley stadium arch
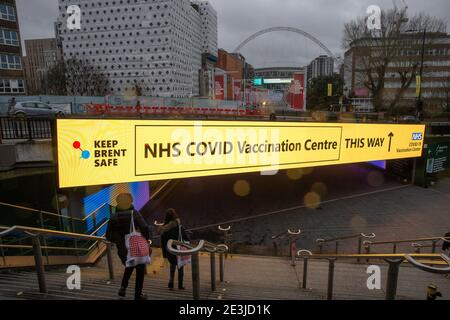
285 29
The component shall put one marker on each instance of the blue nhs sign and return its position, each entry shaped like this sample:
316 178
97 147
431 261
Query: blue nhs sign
417 136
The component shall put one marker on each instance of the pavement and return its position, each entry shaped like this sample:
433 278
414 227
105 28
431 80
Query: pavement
346 200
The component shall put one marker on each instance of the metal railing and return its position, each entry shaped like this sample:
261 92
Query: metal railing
226 238
415 243
36 234
293 237
193 251
394 261
72 224
320 242
25 128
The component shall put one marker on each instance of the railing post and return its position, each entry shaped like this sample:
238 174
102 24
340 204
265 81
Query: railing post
293 247
330 279
367 251
221 267
2 252
394 249
392 278
359 247
226 238
39 264
41 219
213 271
433 247
110 260
195 276
320 247
30 134
94 220
337 247
305 272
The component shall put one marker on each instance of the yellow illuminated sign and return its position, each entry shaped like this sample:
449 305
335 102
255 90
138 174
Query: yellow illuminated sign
418 85
330 89
96 152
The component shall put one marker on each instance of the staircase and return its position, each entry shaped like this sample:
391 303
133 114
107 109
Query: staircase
246 278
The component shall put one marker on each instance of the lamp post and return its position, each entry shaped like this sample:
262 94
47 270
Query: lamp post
419 103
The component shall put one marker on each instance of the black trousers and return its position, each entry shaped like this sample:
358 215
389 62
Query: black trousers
140 274
174 267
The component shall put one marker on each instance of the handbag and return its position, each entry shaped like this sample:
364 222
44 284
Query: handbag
182 260
138 249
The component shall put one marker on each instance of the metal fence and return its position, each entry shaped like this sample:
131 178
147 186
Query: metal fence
21 128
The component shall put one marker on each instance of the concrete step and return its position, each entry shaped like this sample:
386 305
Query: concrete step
246 277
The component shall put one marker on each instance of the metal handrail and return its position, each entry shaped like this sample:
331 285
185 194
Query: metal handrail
52 213
414 243
37 211
35 234
446 239
293 237
320 242
193 250
94 212
47 232
363 235
394 260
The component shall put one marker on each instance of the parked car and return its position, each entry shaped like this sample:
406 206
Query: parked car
33 108
408 119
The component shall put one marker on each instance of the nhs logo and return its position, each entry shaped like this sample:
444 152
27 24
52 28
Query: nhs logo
417 136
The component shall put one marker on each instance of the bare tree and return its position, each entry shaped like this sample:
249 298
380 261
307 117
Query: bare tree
75 77
394 51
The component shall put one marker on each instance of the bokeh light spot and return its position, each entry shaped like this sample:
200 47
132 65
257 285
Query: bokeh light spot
294 174
320 188
241 188
307 171
358 224
312 200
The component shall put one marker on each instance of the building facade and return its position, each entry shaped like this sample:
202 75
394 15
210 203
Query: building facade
12 79
230 68
153 45
41 56
435 81
322 66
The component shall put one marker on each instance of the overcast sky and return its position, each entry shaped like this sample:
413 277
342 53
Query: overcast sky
238 19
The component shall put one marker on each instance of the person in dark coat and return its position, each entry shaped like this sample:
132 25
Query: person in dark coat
446 244
118 228
171 231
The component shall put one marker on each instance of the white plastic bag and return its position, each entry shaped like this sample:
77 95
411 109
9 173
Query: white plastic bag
182 260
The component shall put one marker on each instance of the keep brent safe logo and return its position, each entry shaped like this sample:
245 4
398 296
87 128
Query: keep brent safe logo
107 153
95 152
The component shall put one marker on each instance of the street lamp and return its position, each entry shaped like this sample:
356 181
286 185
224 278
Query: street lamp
419 101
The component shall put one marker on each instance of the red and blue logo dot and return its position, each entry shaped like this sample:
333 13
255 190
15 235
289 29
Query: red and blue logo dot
85 154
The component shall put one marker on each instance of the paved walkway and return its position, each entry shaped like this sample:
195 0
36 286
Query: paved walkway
400 213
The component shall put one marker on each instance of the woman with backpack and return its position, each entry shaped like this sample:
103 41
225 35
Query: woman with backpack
172 230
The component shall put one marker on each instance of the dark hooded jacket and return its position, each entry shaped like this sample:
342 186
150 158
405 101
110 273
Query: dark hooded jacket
170 231
446 244
119 227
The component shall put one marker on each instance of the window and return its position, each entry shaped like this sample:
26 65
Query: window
11 86
7 12
10 62
9 37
